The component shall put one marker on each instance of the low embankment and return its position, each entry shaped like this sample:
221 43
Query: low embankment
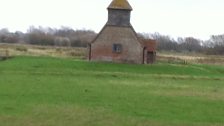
7 50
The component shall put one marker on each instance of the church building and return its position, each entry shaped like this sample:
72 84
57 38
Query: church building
118 42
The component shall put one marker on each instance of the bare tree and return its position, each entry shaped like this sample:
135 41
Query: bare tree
190 44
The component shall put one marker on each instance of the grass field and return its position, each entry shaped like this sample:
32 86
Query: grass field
44 91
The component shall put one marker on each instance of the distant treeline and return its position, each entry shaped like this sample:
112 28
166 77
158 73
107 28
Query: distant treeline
66 36
49 36
213 46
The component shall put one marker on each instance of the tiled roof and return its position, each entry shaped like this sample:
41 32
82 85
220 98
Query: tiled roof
150 44
120 4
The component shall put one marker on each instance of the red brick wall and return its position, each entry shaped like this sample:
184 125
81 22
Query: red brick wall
102 47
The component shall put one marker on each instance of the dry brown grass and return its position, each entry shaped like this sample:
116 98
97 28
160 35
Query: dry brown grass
190 58
32 50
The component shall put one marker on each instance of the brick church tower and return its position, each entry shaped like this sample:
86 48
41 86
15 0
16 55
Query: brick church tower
118 41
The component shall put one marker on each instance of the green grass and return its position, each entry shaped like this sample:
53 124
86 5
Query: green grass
43 91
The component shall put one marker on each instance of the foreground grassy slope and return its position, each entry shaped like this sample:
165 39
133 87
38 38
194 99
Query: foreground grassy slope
42 91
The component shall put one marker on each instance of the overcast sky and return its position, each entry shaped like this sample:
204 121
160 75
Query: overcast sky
197 18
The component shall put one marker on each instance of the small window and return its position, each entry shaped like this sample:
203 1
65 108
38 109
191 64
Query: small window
117 48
